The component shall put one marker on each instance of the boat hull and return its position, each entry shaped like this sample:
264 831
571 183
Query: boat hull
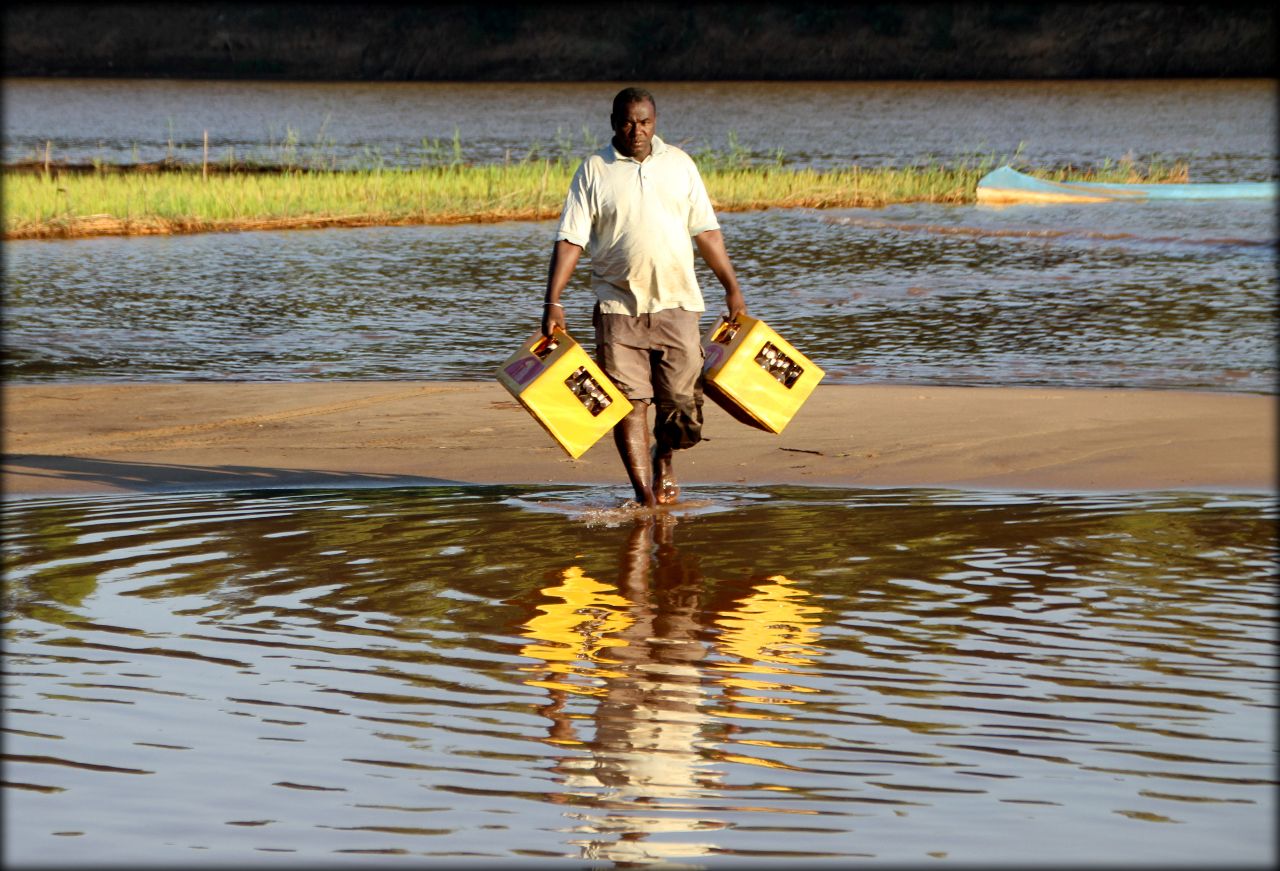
1006 185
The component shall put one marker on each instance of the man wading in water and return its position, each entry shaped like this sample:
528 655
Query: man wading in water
635 204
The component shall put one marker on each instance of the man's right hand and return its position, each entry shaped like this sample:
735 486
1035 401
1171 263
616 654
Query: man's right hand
564 257
552 318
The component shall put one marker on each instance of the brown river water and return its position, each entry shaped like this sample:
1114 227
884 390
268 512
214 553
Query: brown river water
1173 296
524 677
528 677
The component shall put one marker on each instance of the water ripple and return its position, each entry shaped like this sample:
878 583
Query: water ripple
912 294
921 671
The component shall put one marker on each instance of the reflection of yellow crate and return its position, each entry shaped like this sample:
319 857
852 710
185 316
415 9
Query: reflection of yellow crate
564 390
755 374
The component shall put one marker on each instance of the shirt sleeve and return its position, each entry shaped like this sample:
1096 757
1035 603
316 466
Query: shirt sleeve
702 217
575 217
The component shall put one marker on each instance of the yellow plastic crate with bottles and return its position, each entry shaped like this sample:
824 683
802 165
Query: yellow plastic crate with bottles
565 391
756 375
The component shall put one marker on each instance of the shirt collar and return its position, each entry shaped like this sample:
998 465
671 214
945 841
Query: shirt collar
657 148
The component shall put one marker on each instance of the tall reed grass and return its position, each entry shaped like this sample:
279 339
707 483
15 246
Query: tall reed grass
447 190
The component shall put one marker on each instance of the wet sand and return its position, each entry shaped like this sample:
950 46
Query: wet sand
85 439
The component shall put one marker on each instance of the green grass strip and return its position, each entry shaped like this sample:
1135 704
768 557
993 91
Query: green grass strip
64 204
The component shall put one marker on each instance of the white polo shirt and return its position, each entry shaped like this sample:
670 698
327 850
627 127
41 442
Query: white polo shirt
637 221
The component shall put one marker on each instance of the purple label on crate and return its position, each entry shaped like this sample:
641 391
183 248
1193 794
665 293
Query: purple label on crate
524 370
713 354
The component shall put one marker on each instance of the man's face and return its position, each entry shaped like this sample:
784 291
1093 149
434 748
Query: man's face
633 131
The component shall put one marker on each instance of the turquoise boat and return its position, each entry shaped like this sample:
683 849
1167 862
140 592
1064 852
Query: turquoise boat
1007 185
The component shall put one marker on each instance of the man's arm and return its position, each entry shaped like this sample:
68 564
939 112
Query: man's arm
711 246
564 259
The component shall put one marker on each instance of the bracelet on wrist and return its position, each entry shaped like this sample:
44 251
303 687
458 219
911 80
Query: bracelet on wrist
556 304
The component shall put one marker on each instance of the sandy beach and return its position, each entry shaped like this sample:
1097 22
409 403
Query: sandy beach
104 438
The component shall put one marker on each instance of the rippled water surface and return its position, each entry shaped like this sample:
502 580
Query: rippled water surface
1224 128
516 676
1122 295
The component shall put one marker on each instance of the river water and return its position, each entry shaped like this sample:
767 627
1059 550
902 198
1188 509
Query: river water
508 676
513 676
1177 295
1224 128
1174 295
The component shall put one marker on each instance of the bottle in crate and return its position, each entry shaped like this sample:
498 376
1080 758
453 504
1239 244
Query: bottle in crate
565 391
756 375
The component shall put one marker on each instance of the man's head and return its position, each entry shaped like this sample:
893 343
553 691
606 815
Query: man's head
634 118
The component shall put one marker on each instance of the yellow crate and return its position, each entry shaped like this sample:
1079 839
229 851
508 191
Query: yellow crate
742 358
564 390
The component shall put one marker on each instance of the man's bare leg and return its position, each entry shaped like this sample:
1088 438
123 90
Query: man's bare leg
631 436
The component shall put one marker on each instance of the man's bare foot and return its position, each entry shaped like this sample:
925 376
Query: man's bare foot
667 491
665 487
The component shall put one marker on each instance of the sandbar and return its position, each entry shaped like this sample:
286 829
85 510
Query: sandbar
85 439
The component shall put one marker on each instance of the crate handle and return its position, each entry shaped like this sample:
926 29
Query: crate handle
725 331
545 345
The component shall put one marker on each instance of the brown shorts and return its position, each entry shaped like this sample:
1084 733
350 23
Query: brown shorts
656 357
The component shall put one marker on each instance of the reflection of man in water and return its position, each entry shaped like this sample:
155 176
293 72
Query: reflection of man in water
649 742
649 720
661 694
635 204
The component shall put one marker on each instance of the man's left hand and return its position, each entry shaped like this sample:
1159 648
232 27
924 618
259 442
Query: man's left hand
734 302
